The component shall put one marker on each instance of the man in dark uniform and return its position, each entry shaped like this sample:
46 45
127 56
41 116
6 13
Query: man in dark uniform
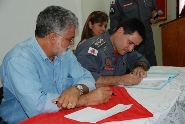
108 57
144 10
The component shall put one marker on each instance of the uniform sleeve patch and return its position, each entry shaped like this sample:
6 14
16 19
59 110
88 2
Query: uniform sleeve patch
93 51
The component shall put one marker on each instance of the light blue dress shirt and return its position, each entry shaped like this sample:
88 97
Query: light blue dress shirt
31 81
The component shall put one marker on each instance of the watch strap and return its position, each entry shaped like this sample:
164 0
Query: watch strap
80 87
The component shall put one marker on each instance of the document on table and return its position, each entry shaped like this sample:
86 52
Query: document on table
155 80
94 115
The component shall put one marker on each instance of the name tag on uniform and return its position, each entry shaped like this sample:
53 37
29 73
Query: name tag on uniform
129 4
109 68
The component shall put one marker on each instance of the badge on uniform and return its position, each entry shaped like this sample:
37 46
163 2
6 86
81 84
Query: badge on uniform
98 42
108 63
124 63
93 51
105 50
112 10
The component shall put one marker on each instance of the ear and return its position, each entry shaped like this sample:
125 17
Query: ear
120 30
51 38
90 24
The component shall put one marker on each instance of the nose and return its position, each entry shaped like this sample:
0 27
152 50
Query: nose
103 29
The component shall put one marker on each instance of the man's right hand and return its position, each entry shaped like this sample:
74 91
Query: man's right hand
129 79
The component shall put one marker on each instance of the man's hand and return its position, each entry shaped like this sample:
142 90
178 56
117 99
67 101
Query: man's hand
129 79
68 99
98 96
152 20
140 72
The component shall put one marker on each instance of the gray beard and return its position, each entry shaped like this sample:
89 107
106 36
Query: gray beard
64 52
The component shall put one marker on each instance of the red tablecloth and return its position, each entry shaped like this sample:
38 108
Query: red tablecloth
122 97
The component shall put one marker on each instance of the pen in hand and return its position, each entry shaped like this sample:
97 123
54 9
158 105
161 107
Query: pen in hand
113 94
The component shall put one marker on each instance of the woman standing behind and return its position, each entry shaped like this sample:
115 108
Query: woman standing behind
95 25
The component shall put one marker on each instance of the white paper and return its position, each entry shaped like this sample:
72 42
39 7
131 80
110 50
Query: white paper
154 81
158 77
94 115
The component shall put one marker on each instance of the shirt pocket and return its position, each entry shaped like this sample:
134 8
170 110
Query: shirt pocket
120 70
130 10
107 71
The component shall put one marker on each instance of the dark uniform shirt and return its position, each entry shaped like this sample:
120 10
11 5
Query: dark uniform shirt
141 9
97 55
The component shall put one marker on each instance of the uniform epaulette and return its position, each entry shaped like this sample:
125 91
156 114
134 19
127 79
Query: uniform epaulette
98 42
79 44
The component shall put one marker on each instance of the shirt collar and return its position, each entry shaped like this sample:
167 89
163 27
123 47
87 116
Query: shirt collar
38 48
109 46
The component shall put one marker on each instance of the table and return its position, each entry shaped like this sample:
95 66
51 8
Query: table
167 105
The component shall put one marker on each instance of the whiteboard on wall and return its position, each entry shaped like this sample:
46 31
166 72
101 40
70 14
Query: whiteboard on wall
18 20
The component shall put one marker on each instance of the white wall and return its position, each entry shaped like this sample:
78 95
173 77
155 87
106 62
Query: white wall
18 19
89 6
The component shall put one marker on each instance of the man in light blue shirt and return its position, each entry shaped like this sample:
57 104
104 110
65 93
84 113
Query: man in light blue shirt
42 75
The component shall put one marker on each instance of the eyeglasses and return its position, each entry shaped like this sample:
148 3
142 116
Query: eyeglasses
68 39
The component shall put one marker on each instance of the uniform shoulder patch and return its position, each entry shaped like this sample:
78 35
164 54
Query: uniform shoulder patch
93 51
98 42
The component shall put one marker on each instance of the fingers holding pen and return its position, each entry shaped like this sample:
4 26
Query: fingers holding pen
129 79
139 72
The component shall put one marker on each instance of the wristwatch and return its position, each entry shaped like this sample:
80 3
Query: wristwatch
79 87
